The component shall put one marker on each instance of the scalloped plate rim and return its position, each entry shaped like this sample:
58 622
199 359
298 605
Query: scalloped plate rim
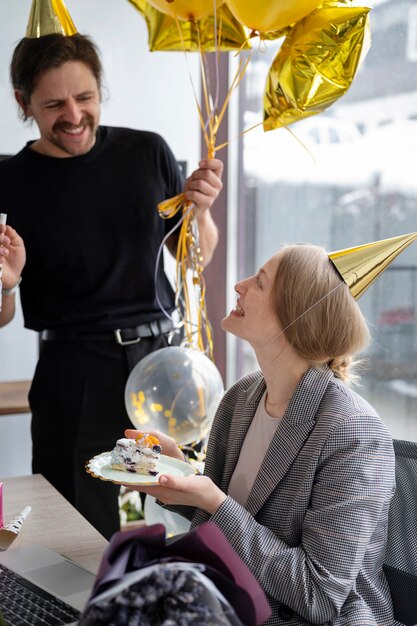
94 468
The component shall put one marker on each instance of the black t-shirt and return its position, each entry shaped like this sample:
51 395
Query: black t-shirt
92 230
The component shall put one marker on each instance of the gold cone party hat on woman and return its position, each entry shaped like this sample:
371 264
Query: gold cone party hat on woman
361 265
49 17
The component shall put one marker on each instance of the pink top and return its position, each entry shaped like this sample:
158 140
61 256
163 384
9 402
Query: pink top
254 448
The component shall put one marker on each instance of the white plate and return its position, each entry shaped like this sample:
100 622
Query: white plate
99 467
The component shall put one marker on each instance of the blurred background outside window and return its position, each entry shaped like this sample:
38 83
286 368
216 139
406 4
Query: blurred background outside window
360 186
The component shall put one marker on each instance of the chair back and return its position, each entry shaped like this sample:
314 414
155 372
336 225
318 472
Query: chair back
400 565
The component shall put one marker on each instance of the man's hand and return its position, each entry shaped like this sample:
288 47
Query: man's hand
205 184
12 256
202 189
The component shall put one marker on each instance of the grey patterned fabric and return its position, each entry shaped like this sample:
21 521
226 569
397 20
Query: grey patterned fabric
313 531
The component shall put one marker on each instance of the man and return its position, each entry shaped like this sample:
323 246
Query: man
83 197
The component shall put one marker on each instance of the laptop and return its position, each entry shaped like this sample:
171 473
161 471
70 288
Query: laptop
39 586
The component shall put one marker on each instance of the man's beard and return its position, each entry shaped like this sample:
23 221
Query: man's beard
57 140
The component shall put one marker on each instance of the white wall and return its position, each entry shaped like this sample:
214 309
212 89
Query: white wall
144 90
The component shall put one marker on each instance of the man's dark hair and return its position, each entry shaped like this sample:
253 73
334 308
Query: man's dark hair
34 57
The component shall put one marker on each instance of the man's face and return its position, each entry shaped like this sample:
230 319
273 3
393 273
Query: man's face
66 107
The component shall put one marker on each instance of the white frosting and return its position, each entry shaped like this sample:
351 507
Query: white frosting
131 456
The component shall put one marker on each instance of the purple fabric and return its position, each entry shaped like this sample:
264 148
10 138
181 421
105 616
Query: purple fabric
205 544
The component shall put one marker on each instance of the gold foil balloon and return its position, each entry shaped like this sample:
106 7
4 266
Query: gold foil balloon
49 17
316 64
176 391
334 3
208 34
186 9
269 15
217 31
361 265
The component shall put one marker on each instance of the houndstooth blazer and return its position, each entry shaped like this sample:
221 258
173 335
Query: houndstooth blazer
314 527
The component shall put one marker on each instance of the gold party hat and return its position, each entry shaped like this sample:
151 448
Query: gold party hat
49 17
360 266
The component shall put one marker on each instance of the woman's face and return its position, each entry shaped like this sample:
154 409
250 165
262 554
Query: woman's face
253 317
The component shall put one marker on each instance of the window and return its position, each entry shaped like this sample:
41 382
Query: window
412 34
360 187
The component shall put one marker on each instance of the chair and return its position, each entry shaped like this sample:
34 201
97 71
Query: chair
400 564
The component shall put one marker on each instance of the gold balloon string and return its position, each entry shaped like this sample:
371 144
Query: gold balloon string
208 139
247 130
215 119
241 69
190 284
226 143
208 126
189 260
301 143
158 260
189 264
211 126
262 46
217 43
244 45
267 36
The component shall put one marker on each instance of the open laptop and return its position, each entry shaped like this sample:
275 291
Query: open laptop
36 581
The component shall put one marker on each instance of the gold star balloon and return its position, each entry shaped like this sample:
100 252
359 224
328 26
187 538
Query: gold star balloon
316 64
49 17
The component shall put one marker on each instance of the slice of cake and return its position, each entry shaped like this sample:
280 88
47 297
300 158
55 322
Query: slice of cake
140 455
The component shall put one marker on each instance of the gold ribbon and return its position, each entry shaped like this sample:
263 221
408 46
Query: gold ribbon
189 262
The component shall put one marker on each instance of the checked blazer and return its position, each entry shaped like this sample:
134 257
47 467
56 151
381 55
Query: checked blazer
313 530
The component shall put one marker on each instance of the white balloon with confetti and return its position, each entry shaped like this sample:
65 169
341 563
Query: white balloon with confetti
176 391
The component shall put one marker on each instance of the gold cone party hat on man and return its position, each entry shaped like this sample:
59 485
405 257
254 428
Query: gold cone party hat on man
360 266
49 17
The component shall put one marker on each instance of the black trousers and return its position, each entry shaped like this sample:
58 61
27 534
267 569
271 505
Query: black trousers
78 411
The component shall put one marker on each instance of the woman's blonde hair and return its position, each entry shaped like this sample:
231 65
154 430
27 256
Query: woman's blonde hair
320 318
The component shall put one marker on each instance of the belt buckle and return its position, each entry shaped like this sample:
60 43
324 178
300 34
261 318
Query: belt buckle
124 342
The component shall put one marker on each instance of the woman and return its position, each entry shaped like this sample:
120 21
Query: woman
300 469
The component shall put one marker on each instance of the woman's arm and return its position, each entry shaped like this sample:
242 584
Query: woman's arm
352 489
179 496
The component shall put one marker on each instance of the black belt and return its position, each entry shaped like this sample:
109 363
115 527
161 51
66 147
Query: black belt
123 336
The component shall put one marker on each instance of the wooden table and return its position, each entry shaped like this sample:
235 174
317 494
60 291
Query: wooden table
53 522
14 397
